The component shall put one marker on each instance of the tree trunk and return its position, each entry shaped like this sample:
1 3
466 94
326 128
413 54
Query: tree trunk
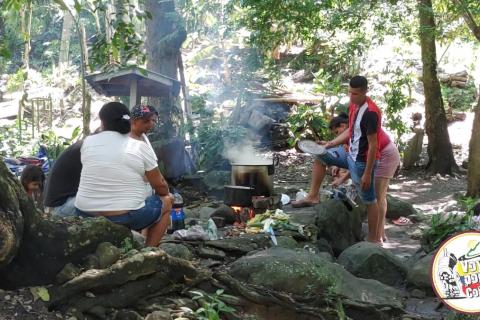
65 41
440 151
473 187
33 250
26 13
165 35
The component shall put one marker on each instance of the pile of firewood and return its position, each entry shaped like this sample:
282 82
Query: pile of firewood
455 80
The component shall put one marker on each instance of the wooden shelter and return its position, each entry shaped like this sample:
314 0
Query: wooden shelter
135 83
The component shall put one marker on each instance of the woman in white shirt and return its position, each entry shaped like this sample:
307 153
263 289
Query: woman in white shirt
111 182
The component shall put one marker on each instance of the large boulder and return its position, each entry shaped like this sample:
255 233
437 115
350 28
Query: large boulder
418 275
369 261
302 275
338 225
398 208
177 250
247 243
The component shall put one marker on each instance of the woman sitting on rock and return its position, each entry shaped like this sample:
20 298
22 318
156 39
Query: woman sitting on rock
111 182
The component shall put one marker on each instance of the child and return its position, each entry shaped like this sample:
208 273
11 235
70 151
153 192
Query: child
32 180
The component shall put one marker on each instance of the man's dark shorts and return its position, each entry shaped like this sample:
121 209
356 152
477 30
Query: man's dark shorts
135 219
339 157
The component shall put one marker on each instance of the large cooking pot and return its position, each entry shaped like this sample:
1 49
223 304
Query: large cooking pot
258 175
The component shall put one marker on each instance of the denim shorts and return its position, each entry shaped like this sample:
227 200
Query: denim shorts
135 219
339 157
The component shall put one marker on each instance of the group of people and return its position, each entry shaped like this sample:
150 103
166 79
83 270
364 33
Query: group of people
114 172
362 147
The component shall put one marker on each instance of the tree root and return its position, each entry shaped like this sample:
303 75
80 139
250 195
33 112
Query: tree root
146 273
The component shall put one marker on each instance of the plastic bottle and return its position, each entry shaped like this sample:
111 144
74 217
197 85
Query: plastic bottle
177 214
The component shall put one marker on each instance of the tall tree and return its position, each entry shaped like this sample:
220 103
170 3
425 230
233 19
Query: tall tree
65 41
471 17
165 35
440 150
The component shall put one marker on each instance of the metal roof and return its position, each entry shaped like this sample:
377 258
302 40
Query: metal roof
119 83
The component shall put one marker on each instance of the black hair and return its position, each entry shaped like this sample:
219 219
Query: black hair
359 82
115 116
32 173
338 120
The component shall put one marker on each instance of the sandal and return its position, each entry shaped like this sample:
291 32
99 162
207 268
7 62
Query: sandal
303 203
402 221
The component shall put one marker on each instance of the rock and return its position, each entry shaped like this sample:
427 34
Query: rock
92 262
99 312
128 315
225 212
327 256
369 261
416 293
159 315
287 242
242 244
304 274
177 250
304 216
418 275
138 238
398 208
205 252
68 272
336 224
206 212
107 254
324 246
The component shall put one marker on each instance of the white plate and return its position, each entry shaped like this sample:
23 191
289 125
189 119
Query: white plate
311 147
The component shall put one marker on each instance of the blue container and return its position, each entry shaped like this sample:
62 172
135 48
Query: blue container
178 219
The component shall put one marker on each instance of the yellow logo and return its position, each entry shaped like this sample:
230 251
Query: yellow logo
455 272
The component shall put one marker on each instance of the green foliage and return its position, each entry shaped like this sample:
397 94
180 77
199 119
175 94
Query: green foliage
461 99
467 203
198 103
16 80
212 306
443 226
12 142
453 315
125 46
211 138
397 98
307 122
127 245
55 145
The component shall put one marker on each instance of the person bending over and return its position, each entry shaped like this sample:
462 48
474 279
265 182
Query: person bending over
364 136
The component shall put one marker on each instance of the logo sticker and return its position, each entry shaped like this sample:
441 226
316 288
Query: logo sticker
455 272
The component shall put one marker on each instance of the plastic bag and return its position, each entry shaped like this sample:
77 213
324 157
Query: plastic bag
193 233
212 230
301 195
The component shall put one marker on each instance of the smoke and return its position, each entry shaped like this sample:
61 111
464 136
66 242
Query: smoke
246 154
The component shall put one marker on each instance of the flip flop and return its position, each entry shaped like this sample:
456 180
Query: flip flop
303 203
402 221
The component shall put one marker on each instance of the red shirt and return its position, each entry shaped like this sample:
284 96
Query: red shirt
370 123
